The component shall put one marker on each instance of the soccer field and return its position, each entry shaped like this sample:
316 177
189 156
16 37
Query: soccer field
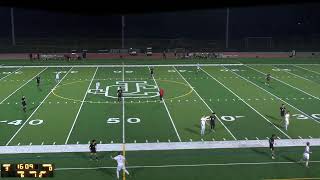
72 112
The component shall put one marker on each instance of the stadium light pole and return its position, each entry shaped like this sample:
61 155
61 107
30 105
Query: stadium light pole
12 29
122 34
227 29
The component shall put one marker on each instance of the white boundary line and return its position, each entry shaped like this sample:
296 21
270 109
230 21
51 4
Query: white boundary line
165 146
146 65
11 73
306 69
128 65
76 118
246 103
165 105
36 109
123 113
204 103
274 96
186 165
23 85
285 83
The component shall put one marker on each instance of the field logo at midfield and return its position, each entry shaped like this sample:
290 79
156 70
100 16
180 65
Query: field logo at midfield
131 89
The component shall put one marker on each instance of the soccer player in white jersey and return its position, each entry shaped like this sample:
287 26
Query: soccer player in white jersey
306 154
198 67
97 86
58 76
121 161
203 122
286 120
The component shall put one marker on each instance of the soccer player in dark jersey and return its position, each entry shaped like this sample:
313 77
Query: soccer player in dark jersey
151 72
271 145
38 81
93 150
164 55
24 104
119 93
282 111
268 78
213 118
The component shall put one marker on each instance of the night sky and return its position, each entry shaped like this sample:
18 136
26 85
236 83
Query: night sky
288 20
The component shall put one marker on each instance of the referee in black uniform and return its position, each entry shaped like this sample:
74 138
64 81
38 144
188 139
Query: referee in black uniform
213 118
23 103
271 145
38 81
93 150
151 72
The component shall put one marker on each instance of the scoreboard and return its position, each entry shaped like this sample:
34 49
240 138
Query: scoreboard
27 170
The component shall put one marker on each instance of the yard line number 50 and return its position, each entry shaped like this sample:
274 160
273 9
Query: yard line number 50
117 120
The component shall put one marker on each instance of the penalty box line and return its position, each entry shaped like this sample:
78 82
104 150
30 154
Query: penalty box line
165 146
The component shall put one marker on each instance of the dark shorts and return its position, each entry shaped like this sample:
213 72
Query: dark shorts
93 150
271 147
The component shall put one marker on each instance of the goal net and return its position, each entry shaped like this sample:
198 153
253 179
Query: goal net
258 43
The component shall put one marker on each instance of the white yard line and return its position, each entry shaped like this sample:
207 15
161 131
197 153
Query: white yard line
76 118
307 69
299 76
247 104
205 103
285 83
274 96
187 165
123 113
165 105
42 102
22 86
11 73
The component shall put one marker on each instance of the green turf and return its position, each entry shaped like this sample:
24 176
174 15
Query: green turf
230 91
207 164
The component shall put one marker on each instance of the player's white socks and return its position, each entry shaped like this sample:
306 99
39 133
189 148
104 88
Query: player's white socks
126 171
307 163
118 174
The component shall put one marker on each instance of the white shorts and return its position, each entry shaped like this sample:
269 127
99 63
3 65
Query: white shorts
306 156
286 122
120 167
97 87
